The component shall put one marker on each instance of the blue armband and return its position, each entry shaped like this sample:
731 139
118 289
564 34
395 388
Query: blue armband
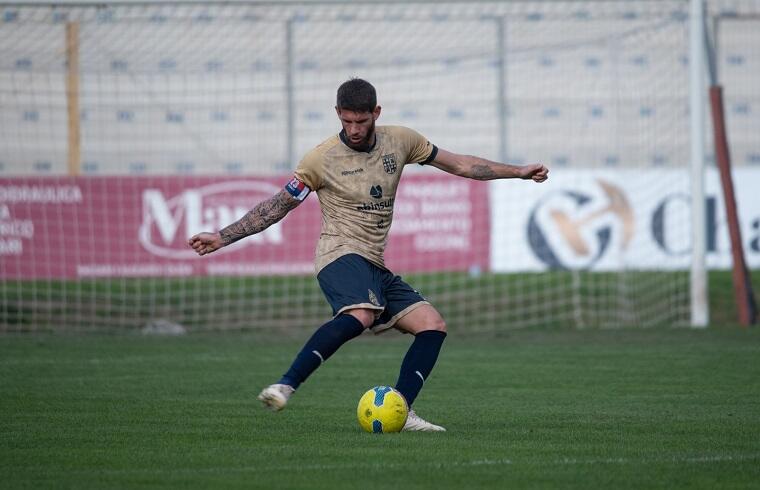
297 189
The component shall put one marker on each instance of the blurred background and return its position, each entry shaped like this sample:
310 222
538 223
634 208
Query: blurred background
127 127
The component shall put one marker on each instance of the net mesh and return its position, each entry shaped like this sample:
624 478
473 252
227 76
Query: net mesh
190 113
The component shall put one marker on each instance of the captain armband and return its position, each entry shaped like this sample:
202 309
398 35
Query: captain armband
297 189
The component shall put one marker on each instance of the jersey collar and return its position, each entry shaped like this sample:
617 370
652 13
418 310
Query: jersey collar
344 140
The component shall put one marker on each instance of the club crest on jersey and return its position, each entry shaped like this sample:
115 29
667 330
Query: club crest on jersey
389 163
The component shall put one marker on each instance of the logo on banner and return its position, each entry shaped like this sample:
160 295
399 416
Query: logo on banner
574 230
169 221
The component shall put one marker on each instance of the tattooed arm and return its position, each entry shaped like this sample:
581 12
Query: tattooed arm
258 219
481 169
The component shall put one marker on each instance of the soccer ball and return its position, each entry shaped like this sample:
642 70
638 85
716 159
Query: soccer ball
382 409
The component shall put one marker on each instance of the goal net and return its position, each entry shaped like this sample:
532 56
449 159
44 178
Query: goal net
128 128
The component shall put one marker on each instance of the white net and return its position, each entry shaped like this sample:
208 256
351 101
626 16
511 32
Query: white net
188 114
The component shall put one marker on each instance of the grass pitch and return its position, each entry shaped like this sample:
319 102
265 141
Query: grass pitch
664 408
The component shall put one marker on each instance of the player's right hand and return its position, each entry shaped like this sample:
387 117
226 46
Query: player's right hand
205 243
535 172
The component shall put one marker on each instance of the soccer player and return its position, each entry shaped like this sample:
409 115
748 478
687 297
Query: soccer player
355 175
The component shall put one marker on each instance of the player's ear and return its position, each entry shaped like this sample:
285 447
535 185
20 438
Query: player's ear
376 112
337 110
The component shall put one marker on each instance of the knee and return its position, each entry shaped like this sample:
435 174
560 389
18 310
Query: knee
365 316
437 324
440 325
422 319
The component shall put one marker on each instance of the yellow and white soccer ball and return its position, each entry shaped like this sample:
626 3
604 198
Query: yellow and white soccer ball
382 409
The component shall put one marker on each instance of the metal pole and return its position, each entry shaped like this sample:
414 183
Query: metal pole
698 275
502 87
745 296
290 96
74 157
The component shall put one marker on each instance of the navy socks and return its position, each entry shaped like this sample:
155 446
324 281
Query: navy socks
415 368
325 341
418 363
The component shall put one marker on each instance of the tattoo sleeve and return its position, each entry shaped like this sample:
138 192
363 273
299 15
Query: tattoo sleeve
482 172
261 217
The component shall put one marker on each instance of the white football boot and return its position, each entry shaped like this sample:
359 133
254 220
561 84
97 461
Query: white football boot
415 423
275 397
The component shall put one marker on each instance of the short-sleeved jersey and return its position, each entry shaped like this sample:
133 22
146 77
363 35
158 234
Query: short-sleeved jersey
357 190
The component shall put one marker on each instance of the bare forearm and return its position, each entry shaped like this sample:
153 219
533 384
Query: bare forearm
259 218
481 169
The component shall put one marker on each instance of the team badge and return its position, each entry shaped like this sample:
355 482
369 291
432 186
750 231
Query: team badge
389 163
373 298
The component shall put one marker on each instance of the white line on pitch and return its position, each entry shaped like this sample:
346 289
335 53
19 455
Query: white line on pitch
697 459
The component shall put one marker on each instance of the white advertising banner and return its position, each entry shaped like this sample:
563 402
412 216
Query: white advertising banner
609 220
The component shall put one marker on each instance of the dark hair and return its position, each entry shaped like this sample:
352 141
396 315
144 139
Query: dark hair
357 95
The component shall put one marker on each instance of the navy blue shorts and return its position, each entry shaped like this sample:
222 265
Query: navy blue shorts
351 281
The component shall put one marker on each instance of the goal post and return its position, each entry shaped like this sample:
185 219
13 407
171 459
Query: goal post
698 273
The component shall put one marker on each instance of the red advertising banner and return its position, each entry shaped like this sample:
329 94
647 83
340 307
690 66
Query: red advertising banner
82 227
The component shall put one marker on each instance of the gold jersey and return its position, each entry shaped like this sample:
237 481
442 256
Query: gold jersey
357 190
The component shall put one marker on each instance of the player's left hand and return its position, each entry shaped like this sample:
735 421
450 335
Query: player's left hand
537 172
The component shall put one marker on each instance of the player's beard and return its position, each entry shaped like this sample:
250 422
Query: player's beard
366 143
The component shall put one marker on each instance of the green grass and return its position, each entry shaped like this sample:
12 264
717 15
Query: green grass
652 408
